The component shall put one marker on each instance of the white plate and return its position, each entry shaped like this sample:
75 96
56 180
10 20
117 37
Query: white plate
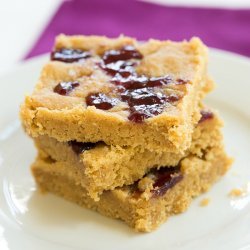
31 221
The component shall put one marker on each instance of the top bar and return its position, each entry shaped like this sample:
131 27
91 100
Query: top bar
120 91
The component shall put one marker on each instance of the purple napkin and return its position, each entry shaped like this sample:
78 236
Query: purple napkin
220 28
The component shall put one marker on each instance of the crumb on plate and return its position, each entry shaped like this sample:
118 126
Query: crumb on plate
236 192
204 202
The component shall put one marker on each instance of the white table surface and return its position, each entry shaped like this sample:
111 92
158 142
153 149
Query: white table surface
21 22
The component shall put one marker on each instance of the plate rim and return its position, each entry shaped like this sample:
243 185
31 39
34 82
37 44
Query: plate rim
214 51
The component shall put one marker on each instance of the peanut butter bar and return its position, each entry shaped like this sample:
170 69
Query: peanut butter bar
102 167
148 202
121 92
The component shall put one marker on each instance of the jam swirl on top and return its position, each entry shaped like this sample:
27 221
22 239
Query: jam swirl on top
64 88
101 101
144 95
69 55
138 91
126 53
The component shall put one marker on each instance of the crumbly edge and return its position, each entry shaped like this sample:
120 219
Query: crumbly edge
171 131
143 214
107 167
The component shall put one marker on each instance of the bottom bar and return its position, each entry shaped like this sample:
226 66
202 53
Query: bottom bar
147 203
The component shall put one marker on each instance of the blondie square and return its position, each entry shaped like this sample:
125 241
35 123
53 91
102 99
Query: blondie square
147 203
121 92
102 167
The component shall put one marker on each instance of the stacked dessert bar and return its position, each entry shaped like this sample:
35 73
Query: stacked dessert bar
120 127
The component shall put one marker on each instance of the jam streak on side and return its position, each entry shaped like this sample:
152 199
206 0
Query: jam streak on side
166 178
80 147
206 115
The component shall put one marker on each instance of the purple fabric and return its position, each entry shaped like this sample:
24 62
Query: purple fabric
220 28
